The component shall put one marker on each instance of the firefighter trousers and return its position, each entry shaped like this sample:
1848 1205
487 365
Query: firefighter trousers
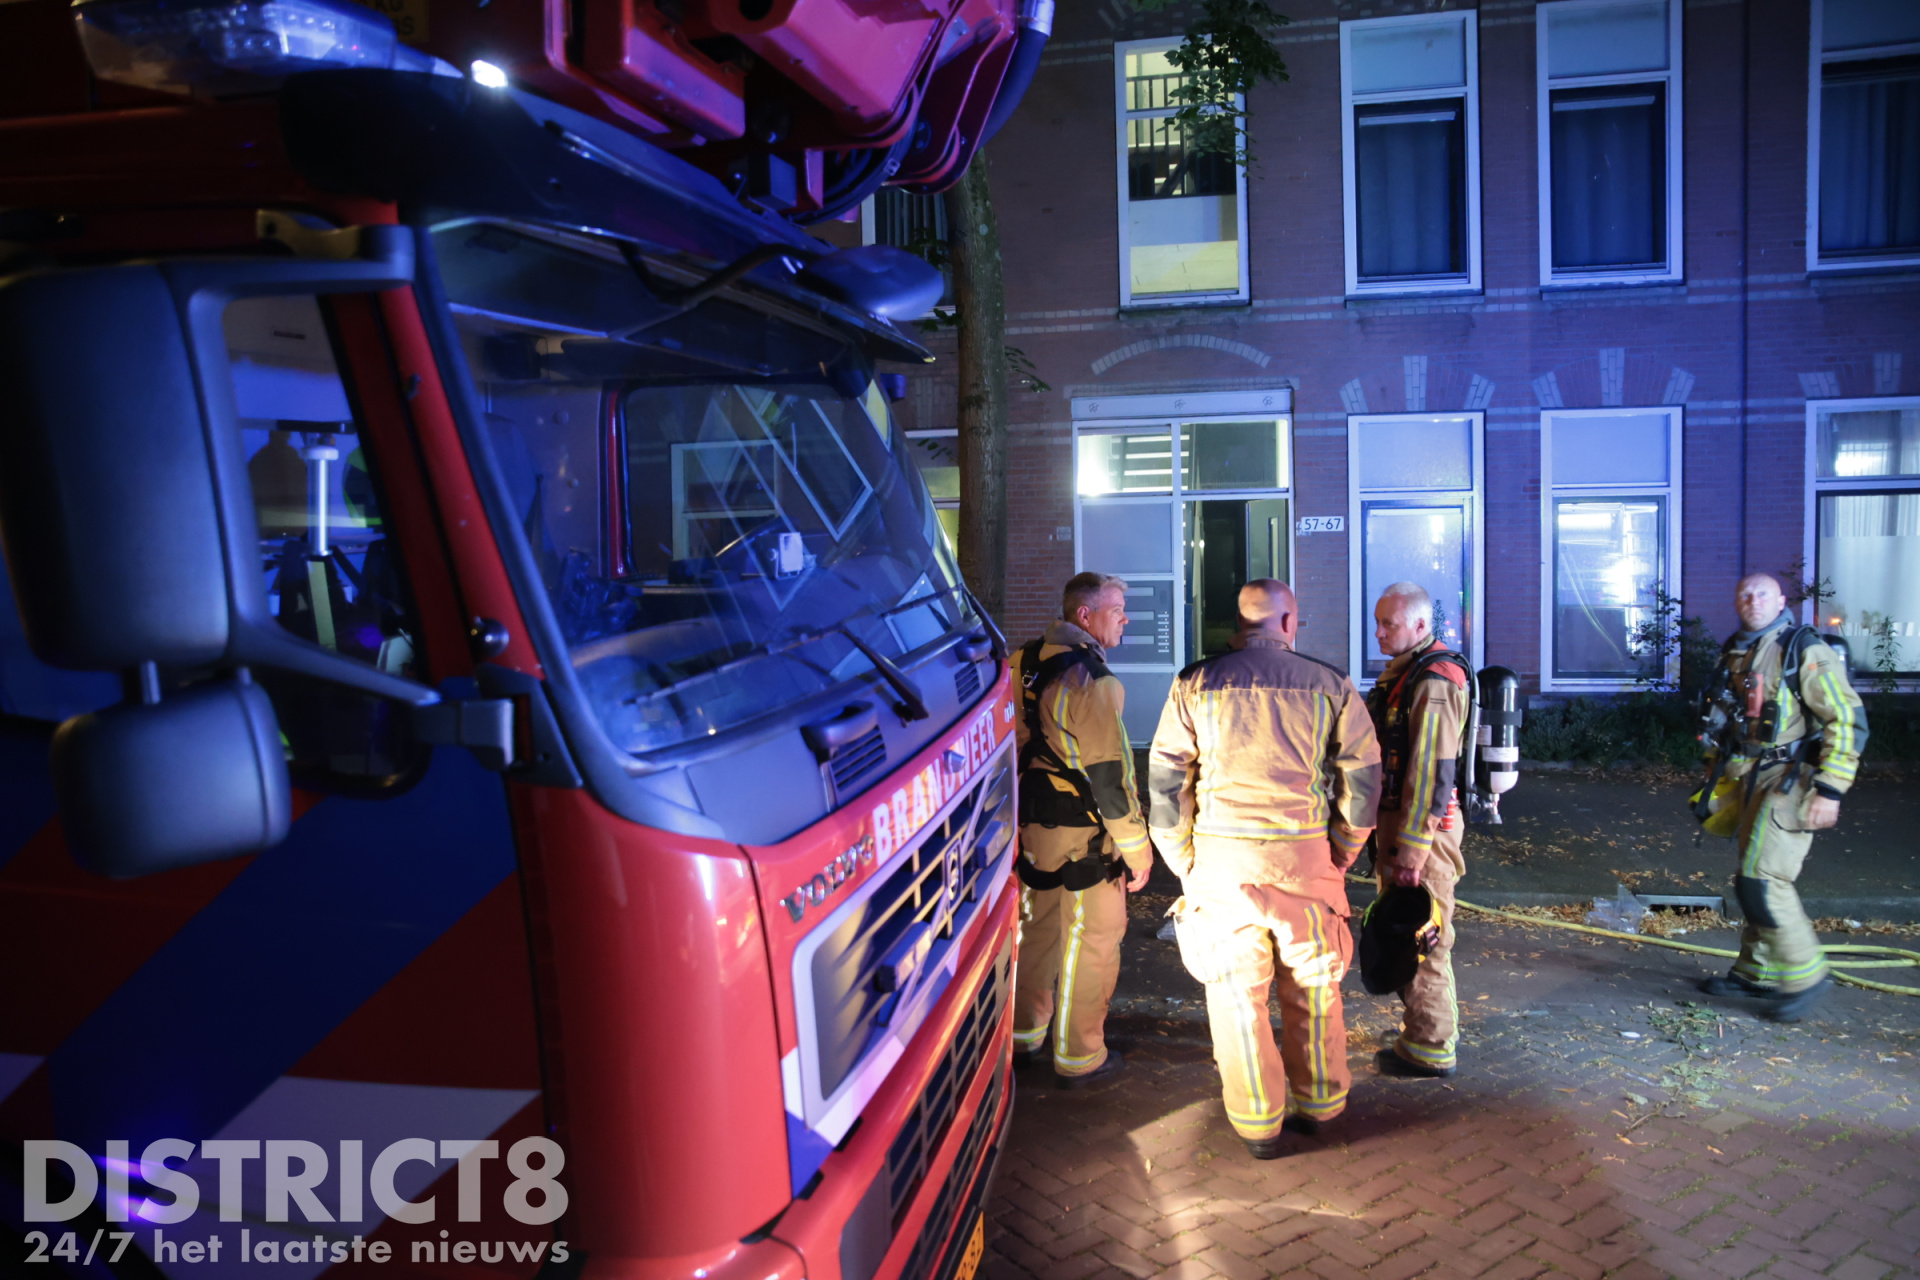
1429 1030
1069 961
1297 948
1778 947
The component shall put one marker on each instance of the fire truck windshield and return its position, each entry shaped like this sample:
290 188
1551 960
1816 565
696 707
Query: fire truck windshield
714 496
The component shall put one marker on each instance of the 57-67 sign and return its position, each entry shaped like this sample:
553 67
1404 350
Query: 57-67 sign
1320 524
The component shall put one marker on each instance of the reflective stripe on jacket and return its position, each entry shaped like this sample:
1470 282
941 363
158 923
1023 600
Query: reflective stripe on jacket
1436 707
1080 714
1263 744
1827 702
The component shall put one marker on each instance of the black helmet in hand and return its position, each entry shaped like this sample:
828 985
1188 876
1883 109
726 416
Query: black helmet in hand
1401 926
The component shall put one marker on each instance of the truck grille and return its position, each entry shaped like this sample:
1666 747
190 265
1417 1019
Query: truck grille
966 682
951 1207
936 889
927 1124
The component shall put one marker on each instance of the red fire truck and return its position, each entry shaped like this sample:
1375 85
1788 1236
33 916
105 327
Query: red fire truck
499 771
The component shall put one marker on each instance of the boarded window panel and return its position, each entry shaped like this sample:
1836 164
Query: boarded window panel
1622 449
1416 453
1398 57
1605 40
1129 537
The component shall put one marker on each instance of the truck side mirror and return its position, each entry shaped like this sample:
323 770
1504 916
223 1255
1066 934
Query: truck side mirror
108 505
136 798
131 541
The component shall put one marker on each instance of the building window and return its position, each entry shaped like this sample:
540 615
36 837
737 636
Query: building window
917 224
1183 213
1609 141
1863 161
1411 138
1415 484
1186 497
1864 543
1610 523
938 455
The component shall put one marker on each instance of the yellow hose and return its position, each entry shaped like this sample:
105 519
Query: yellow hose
1903 959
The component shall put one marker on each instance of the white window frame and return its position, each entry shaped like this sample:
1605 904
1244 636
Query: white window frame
1671 78
1476 533
1810 543
1128 302
1121 415
1468 19
938 433
1672 491
1817 60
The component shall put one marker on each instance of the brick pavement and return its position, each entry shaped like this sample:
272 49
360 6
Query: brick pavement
1607 1121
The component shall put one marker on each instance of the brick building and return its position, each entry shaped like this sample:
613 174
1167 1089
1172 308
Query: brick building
1548 306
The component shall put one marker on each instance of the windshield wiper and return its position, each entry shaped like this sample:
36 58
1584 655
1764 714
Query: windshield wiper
913 704
683 300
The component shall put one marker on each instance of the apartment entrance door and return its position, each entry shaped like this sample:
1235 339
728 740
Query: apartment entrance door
1186 497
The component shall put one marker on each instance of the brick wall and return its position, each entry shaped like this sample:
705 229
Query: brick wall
1731 343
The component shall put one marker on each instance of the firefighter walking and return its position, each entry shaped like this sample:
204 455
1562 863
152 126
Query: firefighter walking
1081 833
1793 730
1262 784
1419 708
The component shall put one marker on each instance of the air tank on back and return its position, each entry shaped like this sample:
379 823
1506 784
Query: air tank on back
1497 759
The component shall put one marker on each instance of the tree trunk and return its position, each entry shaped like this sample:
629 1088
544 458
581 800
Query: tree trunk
980 299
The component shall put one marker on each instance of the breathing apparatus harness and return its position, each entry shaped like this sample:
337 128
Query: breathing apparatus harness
1732 717
1042 802
1478 797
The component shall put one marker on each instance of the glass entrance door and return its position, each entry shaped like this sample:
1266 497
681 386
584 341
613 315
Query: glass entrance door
1186 509
1415 485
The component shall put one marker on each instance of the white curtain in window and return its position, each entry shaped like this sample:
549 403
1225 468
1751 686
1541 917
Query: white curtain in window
1407 177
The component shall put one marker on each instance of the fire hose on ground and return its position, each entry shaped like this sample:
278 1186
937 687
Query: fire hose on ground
1891 957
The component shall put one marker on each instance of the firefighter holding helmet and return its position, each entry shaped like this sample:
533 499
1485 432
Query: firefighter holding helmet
1083 839
1791 729
1262 784
1420 707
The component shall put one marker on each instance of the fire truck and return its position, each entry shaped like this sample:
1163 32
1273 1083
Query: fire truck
500 773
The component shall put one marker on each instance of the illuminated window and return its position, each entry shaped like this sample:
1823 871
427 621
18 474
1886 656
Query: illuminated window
1865 534
1610 485
1183 213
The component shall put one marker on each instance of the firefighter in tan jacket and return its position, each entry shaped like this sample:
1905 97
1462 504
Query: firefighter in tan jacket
1081 833
1420 706
1262 786
1794 750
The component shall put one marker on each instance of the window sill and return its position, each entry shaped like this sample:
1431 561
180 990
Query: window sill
1134 310
1909 265
1461 293
1588 284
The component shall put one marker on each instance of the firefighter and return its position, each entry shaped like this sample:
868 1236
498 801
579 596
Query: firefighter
1419 708
1081 833
1793 747
1262 784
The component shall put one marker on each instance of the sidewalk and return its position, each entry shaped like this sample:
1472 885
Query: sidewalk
1607 1120
1577 835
